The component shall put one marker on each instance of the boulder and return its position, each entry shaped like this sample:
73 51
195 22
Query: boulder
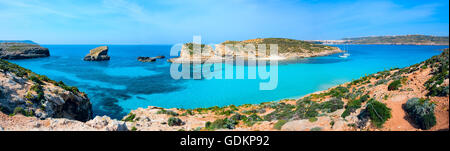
105 123
97 54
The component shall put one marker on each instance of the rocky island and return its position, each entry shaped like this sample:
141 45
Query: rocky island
97 54
287 49
22 50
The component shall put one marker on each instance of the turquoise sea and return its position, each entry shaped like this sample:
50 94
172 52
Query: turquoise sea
122 84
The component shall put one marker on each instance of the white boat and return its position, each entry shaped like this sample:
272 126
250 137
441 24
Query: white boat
344 55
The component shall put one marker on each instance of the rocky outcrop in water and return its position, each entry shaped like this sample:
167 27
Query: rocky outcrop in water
146 59
97 54
150 59
27 93
13 50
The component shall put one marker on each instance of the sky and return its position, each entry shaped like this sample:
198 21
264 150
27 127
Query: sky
177 21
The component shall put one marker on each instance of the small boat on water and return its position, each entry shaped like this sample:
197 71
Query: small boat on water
344 55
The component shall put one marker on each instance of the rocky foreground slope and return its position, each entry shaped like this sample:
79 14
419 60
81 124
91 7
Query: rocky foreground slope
287 49
16 50
29 101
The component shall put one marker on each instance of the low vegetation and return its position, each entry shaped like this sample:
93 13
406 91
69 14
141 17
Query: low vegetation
174 121
168 112
421 111
379 113
279 124
395 85
130 117
24 112
440 71
226 123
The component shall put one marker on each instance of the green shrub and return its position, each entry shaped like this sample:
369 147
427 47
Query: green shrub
238 117
421 111
252 119
133 128
395 85
20 110
339 91
130 117
364 98
307 109
345 113
279 124
173 121
168 112
332 123
67 88
225 112
35 79
44 78
221 124
316 129
381 81
379 113
188 112
233 108
353 105
312 119
282 112
332 105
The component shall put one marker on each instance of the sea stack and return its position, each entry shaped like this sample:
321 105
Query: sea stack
97 54
19 50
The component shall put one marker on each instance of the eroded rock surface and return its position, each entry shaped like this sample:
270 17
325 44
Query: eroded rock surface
97 54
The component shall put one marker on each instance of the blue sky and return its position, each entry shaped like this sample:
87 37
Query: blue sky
176 21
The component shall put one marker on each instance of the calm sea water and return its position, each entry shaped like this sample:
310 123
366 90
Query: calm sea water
122 84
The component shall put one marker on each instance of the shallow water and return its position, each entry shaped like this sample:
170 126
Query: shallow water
122 84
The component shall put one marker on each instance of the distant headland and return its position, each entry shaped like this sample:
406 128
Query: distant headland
21 49
390 40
